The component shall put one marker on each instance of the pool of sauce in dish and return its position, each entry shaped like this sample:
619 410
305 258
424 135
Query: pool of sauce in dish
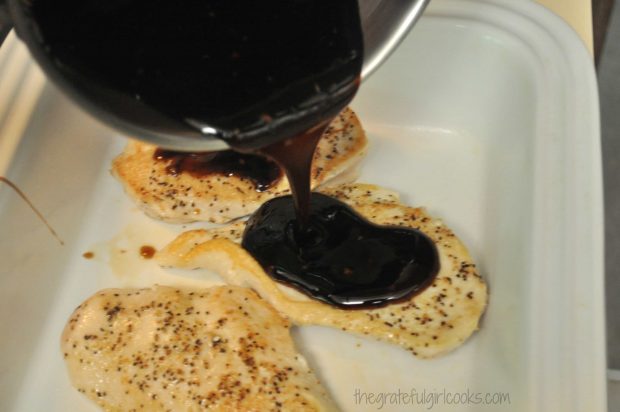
338 256
262 172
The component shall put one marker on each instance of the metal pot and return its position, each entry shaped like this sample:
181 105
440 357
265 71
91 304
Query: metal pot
384 22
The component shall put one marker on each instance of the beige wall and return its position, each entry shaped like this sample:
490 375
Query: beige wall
578 13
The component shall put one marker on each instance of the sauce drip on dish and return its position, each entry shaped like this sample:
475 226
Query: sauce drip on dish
262 172
147 252
25 198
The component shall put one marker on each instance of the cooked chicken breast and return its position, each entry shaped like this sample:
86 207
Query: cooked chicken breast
435 321
170 349
219 199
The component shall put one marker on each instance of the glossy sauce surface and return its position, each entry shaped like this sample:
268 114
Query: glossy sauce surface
264 173
338 256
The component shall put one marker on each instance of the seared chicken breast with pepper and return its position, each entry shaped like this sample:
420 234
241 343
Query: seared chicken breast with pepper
219 187
433 322
176 349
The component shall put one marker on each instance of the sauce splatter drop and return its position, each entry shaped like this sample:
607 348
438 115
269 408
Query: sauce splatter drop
88 255
147 252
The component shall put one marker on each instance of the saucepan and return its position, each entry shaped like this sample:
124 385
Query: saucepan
384 23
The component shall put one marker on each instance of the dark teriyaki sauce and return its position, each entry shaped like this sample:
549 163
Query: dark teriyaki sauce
338 256
262 172
325 249
295 156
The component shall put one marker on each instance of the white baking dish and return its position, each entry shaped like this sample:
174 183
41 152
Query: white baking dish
487 115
